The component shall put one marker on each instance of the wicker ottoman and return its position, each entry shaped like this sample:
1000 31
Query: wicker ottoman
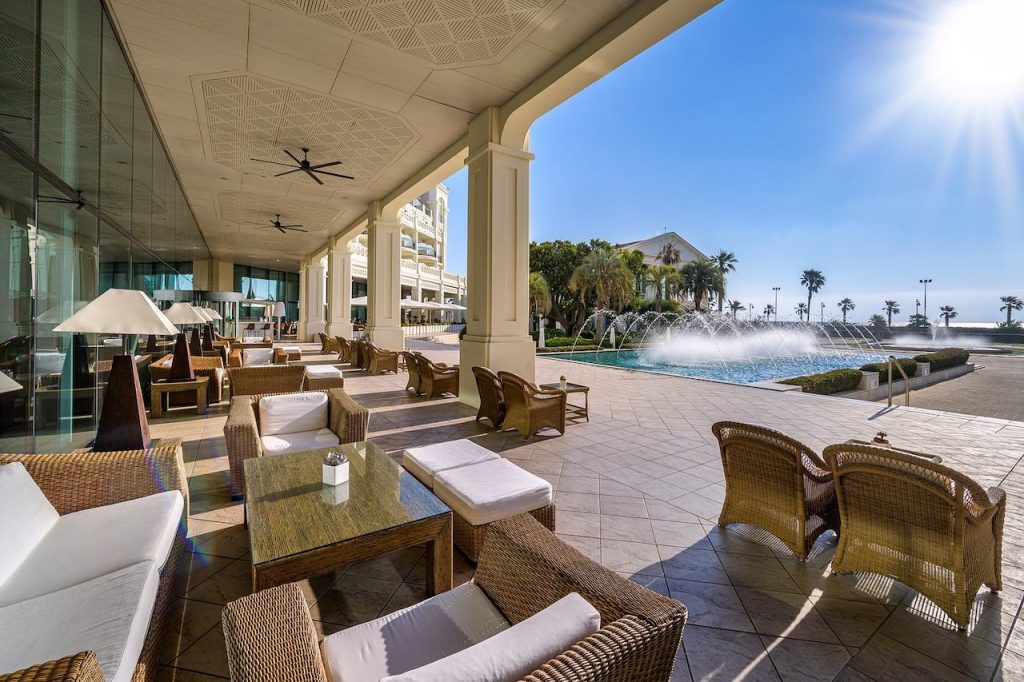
293 352
319 377
488 491
429 460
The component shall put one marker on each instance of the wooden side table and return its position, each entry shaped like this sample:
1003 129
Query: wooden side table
574 411
159 388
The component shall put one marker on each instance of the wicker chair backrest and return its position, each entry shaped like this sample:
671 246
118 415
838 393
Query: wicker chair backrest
411 364
488 385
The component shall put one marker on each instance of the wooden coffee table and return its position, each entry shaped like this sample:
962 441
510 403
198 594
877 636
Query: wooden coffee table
159 388
574 411
300 528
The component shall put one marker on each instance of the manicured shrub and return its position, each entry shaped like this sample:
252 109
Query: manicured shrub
559 349
826 383
945 358
909 366
565 342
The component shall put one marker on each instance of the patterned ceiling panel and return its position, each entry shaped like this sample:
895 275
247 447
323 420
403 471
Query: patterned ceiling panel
442 32
252 209
251 117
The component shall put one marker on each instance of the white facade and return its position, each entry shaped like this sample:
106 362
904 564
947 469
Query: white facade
652 250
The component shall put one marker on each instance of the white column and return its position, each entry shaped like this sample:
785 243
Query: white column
302 334
384 279
339 290
497 333
313 303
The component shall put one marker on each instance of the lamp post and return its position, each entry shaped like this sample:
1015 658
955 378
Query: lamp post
822 311
776 290
925 282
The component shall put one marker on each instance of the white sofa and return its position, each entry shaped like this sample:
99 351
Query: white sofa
90 579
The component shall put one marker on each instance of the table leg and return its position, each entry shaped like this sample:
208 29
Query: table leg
586 404
201 398
439 560
156 405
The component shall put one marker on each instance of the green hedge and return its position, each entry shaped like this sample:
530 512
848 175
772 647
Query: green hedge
564 342
945 358
557 349
827 382
909 366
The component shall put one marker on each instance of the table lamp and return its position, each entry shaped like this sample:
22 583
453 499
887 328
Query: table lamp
8 384
181 365
207 342
123 424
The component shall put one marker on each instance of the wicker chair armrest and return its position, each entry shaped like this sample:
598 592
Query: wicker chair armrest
235 358
242 436
626 649
83 480
985 507
280 357
270 637
815 467
525 568
80 667
445 370
348 419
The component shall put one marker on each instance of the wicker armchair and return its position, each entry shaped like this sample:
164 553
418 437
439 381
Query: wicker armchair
776 483
266 379
344 349
413 368
523 569
918 522
83 480
529 408
360 357
492 396
436 378
381 360
345 417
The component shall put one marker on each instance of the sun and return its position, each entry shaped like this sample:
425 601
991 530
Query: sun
973 53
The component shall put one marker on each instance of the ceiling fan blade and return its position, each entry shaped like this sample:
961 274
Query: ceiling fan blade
293 170
312 175
280 229
336 175
276 163
296 230
293 157
296 225
325 165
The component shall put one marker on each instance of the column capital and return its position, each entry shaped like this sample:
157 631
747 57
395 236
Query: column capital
495 148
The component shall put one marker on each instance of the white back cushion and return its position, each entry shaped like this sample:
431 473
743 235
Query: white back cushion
26 516
293 413
257 356
516 652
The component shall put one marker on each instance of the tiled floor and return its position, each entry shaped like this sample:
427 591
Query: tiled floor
638 489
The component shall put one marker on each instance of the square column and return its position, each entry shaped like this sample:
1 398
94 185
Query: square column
384 279
312 279
497 331
339 290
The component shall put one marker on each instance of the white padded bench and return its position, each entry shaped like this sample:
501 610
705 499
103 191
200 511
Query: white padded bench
319 377
293 352
480 487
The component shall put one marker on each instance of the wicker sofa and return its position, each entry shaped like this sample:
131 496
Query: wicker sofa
346 418
776 483
919 522
523 570
266 379
82 481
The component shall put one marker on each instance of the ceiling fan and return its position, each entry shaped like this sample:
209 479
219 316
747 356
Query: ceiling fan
306 167
275 224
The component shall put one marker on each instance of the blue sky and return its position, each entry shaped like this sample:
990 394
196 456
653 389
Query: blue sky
794 134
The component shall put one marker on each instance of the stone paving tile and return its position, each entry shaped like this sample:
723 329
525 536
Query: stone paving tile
638 488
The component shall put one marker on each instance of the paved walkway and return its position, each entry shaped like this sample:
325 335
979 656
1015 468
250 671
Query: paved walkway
638 488
995 391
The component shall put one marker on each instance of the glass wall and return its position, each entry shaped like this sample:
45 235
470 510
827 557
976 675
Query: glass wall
88 201
260 284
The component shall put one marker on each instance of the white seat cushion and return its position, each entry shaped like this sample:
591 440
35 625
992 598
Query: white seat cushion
322 371
425 462
293 413
514 653
252 339
292 350
94 542
282 443
109 615
413 637
26 516
491 490
254 357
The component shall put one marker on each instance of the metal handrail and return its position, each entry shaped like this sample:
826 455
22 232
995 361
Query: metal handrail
906 380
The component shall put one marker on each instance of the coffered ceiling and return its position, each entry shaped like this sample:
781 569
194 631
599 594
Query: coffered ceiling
383 86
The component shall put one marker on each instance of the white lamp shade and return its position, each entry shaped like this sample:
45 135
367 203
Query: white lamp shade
8 384
279 309
203 314
183 313
119 311
213 313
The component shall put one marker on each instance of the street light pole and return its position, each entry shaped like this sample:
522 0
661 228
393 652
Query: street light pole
822 311
776 290
925 282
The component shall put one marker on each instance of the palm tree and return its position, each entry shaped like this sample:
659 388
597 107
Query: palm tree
540 294
726 262
814 281
700 280
801 310
846 305
669 254
891 308
769 310
735 307
947 312
1011 303
603 276
663 278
